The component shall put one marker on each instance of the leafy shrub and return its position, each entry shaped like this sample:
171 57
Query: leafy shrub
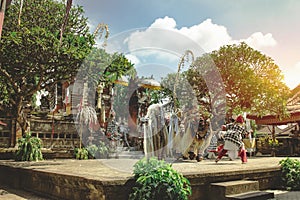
103 149
92 149
29 148
158 180
290 173
273 142
81 153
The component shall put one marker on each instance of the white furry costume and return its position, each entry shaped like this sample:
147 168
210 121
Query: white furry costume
155 132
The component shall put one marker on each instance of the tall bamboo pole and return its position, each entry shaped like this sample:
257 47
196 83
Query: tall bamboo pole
180 65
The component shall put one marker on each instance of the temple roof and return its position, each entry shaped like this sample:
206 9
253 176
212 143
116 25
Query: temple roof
293 107
285 130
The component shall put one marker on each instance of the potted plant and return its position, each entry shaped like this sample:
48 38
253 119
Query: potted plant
29 148
81 153
92 149
273 143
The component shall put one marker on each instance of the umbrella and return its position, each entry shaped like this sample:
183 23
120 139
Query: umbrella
150 83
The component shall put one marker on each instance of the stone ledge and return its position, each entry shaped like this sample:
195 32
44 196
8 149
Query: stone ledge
113 179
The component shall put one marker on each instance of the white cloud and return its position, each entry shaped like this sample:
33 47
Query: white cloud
291 76
164 34
208 35
166 23
163 42
258 40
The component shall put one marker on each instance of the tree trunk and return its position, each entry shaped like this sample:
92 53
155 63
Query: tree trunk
21 117
273 133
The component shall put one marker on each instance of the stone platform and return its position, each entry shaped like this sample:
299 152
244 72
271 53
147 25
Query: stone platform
113 178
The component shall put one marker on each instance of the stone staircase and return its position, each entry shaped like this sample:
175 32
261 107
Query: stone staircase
239 189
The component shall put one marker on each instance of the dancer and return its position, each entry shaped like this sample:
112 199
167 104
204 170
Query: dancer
233 139
232 153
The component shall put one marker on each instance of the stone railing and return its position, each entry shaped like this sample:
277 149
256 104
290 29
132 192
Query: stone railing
55 134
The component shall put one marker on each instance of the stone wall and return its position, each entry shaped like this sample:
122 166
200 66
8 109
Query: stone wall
5 133
62 186
55 134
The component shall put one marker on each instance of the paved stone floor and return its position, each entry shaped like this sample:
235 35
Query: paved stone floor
116 169
285 195
7 193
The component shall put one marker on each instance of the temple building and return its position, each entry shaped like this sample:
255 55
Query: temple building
289 135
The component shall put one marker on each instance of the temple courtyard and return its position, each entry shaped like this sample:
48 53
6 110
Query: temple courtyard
113 178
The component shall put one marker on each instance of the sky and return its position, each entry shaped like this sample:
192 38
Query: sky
154 34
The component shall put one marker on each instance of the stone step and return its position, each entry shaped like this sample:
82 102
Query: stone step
255 195
129 155
222 189
234 187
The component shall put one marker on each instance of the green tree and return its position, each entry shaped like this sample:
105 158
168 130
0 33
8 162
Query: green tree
184 91
121 101
31 55
207 83
252 81
198 85
103 68
3 6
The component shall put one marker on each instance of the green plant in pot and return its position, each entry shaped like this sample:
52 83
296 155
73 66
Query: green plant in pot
81 153
156 179
274 144
29 148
